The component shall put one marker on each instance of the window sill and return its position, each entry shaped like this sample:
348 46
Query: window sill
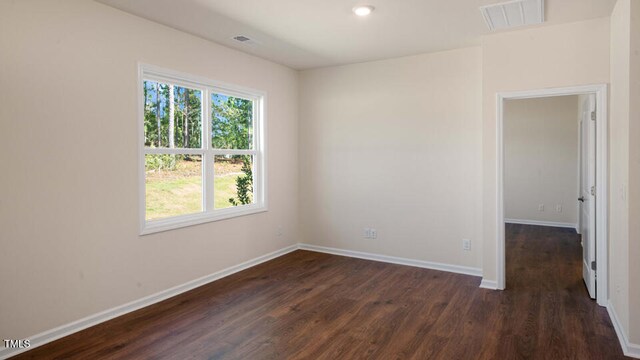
177 222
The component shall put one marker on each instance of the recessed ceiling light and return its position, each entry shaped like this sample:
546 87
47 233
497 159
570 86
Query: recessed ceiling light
363 10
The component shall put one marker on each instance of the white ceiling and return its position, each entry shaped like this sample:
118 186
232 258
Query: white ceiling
305 34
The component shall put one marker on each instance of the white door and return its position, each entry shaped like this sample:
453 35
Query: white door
587 192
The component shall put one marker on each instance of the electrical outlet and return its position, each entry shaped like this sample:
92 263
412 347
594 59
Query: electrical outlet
541 207
279 232
559 208
466 244
369 233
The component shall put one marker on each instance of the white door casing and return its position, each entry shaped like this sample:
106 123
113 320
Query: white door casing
601 190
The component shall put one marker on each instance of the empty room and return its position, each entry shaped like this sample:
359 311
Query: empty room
338 179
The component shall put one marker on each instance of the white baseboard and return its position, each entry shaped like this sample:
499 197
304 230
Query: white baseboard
394 260
489 284
542 223
68 329
629 349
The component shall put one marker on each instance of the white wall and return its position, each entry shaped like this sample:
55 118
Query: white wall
69 183
394 145
541 159
625 167
634 175
619 161
552 56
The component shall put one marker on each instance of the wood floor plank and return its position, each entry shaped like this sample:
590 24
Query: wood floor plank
307 305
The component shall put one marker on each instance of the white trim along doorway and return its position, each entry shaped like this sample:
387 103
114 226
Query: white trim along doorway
602 170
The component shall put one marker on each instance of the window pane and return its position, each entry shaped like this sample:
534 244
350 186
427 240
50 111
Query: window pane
172 116
173 185
232 122
233 181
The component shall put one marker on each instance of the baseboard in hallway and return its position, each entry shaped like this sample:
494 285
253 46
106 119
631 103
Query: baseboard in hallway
542 223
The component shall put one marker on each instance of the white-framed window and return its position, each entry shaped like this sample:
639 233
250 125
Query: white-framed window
202 150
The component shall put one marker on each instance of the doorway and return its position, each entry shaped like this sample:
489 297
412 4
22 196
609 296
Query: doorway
592 211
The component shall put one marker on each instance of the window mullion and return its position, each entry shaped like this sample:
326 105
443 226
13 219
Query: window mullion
233 152
169 151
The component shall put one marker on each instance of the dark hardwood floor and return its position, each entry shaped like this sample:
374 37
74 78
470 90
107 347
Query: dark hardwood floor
308 305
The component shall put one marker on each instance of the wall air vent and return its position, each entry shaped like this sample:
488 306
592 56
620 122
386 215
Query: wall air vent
510 14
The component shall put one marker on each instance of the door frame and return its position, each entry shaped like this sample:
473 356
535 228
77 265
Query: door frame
602 185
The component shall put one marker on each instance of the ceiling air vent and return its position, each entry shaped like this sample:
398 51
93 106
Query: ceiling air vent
512 14
241 38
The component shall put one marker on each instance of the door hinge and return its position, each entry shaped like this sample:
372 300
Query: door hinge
593 265
593 115
593 190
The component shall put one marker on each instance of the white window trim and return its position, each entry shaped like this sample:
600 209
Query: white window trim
207 86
